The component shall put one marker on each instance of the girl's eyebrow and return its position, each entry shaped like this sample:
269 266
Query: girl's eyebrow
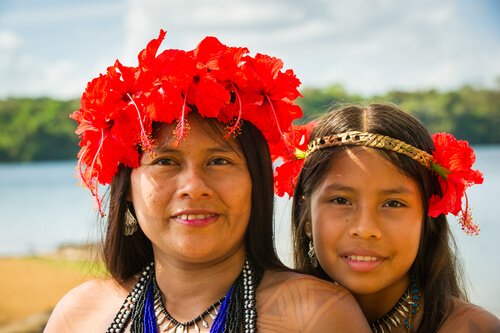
339 187
399 190
389 191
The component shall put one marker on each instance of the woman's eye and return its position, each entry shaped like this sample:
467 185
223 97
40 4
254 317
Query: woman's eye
165 161
218 161
393 204
340 201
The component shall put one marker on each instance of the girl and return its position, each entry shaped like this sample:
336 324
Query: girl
369 213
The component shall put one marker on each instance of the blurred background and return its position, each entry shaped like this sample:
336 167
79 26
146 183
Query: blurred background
438 60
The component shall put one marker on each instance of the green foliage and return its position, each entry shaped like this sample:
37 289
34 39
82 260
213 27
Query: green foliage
37 129
40 128
469 113
317 101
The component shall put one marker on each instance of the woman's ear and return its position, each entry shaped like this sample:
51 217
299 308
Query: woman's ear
308 229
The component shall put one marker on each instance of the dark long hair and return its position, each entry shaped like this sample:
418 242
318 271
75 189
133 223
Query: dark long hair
436 266
126 256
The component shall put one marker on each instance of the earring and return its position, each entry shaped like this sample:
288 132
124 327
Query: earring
130 225
312 254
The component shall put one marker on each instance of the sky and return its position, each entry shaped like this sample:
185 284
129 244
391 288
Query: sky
54 47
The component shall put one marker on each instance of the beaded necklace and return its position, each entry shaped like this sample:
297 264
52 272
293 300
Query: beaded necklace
402 313
165 320
144 310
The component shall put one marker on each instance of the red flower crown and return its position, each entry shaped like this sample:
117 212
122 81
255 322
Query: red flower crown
118 108
451 160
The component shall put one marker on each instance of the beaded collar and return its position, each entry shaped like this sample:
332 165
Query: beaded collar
237 312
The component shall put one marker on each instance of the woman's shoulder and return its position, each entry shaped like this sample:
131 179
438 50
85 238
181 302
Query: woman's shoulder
467 317
89 307
296 302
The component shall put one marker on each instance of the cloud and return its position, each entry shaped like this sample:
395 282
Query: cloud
369 47
53 48
28 75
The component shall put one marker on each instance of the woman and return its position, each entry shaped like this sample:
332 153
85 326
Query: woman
183 138
369 213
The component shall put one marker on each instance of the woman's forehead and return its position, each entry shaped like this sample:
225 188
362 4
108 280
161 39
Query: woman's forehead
196 128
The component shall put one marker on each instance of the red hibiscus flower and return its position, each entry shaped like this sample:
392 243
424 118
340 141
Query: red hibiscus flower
224 64
269 95
107 117
453 162
285 175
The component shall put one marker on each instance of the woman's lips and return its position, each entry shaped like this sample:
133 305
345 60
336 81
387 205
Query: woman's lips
195 220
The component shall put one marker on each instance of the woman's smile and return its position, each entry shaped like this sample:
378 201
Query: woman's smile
195 217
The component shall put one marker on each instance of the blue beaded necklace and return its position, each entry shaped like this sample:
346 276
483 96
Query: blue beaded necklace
403 313
144 308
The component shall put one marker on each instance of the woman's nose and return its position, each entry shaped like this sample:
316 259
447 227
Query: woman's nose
194 184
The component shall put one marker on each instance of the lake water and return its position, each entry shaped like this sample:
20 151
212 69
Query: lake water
42 207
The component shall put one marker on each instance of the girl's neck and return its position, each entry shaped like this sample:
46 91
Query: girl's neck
188 289
377 304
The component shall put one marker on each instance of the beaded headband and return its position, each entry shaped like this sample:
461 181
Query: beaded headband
451 160
119 107
371 140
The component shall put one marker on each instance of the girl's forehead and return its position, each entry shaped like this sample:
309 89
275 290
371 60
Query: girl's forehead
364 162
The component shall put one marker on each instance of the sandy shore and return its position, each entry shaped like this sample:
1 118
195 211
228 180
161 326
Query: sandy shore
30 288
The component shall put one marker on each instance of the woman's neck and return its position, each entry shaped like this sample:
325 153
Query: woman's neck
188 289
377 304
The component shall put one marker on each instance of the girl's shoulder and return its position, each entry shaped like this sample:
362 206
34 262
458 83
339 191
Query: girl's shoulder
467 317
292 302
89 307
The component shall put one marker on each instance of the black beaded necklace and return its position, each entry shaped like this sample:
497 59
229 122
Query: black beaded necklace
240 315
166 321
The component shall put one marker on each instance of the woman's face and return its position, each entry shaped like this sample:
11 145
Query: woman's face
193 200
366 219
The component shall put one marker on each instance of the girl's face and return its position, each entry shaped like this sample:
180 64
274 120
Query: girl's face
193 200
366 219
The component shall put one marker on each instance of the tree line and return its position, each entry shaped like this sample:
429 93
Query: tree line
37 129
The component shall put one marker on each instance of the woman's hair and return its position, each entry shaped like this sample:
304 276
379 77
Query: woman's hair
126 256
436 266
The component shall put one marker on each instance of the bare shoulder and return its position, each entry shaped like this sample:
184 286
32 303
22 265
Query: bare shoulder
292 302
466 317
89 307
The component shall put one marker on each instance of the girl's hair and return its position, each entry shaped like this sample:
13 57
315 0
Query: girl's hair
126 256
436 267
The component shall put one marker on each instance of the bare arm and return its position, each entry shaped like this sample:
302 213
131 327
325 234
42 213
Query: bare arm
302 303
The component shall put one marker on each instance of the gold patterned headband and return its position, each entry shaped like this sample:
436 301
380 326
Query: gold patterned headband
371 140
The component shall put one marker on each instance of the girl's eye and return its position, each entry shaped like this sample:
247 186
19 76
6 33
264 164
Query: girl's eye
218 161
340 201
393 204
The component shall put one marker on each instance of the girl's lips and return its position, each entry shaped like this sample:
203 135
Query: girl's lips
362 263
362 260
